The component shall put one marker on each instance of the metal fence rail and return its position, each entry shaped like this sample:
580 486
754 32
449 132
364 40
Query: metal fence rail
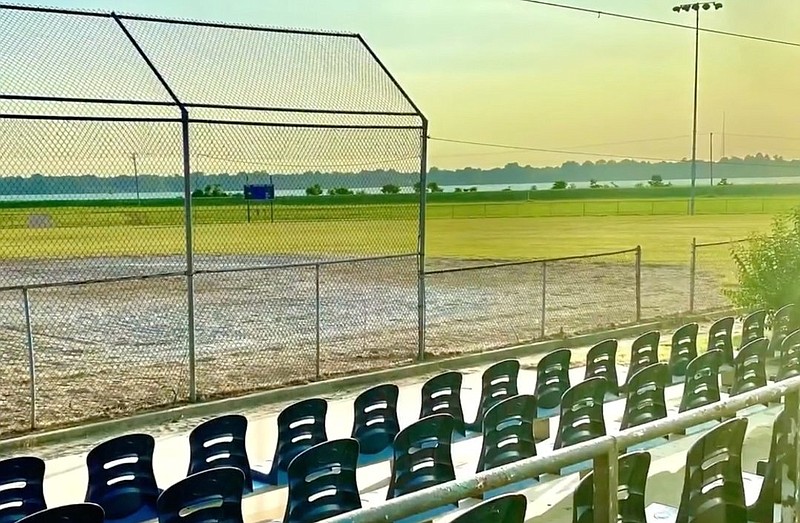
711 271
119 309
516 302
604 452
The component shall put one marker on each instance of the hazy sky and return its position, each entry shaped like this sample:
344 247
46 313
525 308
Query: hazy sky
506 71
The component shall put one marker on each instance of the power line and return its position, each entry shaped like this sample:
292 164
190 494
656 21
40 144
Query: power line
543 150
793 138
663 22
625 142
586 153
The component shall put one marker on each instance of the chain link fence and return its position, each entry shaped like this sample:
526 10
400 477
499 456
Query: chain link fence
712 273
174 232
183 212
476 308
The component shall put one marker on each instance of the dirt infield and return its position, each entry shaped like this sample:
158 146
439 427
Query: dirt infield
108 349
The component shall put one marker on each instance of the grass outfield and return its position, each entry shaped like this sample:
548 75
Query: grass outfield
116 216
664 239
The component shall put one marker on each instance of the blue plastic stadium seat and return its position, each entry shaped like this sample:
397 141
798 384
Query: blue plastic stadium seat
508 437
749 367
21 488
632 483
300 427
422 459
702 381
214 495
442 395
509 508
375 423
720 337
644 352
121 478
322 482
789 357
73 513
645 402
601 362
762 510
753 327
682 351
783 323
498 383
220 442
552 381
712 485
581 416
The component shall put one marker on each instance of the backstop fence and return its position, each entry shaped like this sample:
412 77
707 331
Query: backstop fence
181 219
129 143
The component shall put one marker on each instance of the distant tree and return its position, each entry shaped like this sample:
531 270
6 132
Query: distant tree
340 191
559 185
210 191
331 192
507 189
314 190
533 188
593 184
572 186
434 187
656 181
198 193
723 182
472 189
417 187
390 188
459 189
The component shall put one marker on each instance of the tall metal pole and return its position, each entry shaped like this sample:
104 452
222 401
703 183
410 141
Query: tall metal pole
694 119
188 231
423 184
136 178
711 158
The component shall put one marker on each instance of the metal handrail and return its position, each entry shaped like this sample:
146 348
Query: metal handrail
603 451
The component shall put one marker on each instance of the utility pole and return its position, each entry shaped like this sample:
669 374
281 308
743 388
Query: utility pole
136 178
711 158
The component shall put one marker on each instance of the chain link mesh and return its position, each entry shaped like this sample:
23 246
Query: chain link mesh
15 397
93 223
471 310
715 272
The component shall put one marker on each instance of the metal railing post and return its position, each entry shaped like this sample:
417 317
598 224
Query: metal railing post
31 360
318 321
543 317
692 268
638 263
605 480
788 471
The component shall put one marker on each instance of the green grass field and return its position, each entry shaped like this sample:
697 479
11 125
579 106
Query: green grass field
457 227
664 239
237 213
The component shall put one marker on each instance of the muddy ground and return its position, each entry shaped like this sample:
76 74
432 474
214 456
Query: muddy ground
108 349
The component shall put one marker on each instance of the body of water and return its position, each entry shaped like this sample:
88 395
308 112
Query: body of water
376 190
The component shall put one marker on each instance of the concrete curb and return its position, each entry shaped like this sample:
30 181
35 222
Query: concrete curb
327 387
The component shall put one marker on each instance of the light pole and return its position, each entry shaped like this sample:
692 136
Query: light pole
696 7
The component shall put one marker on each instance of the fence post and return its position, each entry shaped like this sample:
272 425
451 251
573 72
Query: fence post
317 319
31 360
423 200
638 263
542 330
189 233
692 268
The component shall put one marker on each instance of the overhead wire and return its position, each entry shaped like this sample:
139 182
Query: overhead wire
663 22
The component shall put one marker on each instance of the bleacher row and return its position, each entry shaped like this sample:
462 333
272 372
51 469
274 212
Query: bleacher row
311 478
